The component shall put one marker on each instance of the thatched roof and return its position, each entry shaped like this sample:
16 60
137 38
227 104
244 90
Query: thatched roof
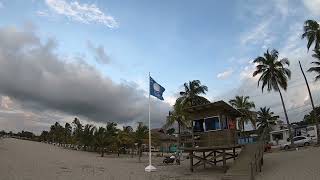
217 106
158 132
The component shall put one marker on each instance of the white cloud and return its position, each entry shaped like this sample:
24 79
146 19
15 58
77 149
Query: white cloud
225 74
42 13
312 6
282 6
84 13
259 34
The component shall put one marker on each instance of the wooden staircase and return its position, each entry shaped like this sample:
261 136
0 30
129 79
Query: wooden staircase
249 162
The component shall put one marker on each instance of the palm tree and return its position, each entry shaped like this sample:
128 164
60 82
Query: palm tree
125 138
141 135
179 116
275 75
316 68
112 132
67 133
243 104
78 130
101 139
191 94
312 33
265 119
87 136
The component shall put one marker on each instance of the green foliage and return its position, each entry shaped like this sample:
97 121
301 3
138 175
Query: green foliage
311 32
266 118
311 118
273 72
87 135
316 68
243 104
191 94
171 131
101 139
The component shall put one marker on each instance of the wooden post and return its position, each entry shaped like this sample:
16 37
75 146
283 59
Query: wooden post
224 160
215 155
204 157
191 161
251 169
192 134
234 153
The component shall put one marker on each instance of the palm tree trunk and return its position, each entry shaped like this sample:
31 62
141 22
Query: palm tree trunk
311 99
243 126
305 79
102 151
179 141
286 115
139 154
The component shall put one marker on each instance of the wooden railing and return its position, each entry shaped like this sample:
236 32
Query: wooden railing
257 158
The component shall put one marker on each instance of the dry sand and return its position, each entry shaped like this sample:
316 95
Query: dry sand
26 160
303 164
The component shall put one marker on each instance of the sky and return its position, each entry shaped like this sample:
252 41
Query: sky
90 59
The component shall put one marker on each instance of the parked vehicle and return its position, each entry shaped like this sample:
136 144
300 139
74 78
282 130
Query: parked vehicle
297 141
170 160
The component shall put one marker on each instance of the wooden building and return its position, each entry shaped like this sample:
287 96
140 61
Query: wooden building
213 134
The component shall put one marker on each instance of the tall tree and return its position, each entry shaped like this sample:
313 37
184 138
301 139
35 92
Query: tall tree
141 135
125 138
311 33
274 75
265 119
191 94
112 132
101 139
57 133
243 104
78 130
179 116
67 133
316 68
87 136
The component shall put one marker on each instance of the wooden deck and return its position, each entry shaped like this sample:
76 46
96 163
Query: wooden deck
211 156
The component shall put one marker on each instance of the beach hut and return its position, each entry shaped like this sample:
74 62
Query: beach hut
213 133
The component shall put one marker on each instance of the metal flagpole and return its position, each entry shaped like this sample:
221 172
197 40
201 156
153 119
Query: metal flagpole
149 127
150 167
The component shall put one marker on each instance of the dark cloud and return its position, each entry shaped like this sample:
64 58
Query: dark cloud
41 80
99 53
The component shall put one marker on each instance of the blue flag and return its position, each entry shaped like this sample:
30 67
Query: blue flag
156 89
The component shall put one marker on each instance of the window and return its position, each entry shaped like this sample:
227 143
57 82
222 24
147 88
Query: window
212 123
278 136
310 128
198 126
298 138
224 122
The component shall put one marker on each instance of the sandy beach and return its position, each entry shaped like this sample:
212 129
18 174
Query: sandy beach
26 160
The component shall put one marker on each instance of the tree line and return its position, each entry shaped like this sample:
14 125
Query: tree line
100 139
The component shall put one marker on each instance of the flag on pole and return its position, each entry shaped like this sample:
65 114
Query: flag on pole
156 89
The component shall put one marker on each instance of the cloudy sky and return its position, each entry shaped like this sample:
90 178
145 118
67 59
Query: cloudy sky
90 58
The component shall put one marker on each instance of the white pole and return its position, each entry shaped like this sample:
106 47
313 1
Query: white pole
150 167
149 127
